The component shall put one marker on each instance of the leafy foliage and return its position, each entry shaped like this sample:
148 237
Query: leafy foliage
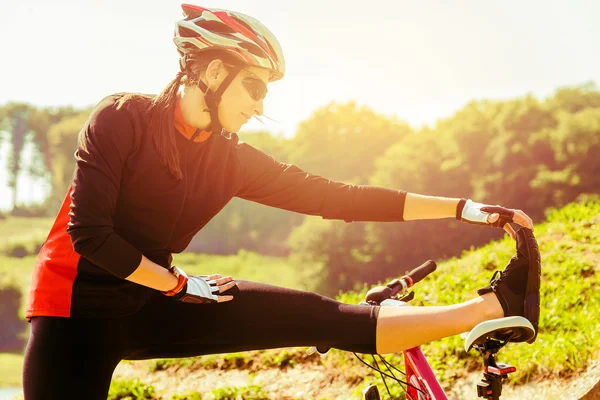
13 328
523 153
131 390
569 335
239 393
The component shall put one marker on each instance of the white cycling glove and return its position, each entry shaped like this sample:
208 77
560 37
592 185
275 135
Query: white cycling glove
477 213
193 288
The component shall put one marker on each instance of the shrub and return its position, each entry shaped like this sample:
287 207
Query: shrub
30 211
131 390
11 339
240 393
22 246
189 396
17 250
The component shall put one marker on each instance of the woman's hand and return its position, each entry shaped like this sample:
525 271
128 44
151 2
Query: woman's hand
496 216
200 289
218 284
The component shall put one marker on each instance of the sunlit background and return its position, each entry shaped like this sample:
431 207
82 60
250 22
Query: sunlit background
497 101
417 60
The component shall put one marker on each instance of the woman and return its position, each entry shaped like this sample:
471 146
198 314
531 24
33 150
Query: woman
151 172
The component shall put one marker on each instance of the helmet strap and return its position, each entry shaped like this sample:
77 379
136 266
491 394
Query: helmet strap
213 99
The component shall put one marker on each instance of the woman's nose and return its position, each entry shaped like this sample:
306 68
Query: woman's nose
259 109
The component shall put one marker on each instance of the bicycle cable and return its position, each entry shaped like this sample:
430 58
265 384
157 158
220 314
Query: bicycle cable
388 365
400 381
391 365
382 378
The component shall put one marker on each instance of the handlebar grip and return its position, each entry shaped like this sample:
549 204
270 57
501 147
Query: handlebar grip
422 271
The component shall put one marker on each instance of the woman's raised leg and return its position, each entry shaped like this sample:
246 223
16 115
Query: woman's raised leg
401 328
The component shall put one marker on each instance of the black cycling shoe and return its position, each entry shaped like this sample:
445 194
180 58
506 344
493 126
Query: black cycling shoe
518 286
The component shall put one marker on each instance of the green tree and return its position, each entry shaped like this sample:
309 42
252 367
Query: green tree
520 153
40 123
574 99
576 144
24 123
14 120
335 245
62 143
342 141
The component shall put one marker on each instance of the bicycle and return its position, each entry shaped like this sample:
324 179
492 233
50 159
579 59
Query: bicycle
421 383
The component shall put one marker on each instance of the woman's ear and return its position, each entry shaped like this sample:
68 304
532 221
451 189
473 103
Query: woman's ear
215 73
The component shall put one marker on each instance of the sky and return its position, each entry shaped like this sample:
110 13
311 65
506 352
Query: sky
416 60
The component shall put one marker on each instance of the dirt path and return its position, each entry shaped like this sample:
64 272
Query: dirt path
303 382
317 382
581 388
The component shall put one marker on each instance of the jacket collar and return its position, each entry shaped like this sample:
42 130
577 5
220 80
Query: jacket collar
186 129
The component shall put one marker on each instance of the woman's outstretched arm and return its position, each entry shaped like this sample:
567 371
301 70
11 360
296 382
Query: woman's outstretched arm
276 184
417 206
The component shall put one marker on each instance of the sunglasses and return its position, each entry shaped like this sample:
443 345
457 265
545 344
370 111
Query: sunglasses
255 87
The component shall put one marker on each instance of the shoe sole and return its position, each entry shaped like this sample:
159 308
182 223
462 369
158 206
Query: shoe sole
532 291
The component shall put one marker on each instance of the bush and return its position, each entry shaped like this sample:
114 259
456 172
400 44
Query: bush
17 250
11 334
31 211
189 396
240 393
22 246
131 390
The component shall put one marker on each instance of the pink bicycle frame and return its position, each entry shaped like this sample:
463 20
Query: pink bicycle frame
420 374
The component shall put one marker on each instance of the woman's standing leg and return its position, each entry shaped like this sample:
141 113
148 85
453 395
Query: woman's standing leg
72 358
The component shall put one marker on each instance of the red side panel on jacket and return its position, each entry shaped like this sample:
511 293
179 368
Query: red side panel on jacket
55 270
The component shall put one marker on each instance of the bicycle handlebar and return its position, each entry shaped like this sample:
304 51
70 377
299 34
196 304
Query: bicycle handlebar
414 276
380 293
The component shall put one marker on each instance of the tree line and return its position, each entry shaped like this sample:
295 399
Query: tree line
521 153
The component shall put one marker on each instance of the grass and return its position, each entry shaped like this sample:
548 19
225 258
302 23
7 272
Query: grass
133 389
130 390
18 272
260 359
26 232
235 393
569 334
24 228
11 367
247 265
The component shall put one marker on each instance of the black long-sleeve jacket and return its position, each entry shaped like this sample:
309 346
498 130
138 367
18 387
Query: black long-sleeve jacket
124 203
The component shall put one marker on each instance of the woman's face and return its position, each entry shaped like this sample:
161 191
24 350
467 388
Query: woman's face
242 99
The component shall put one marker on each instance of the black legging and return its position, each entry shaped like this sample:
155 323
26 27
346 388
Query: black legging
75 357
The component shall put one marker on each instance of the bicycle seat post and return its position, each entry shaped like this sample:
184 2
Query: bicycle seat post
490 386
